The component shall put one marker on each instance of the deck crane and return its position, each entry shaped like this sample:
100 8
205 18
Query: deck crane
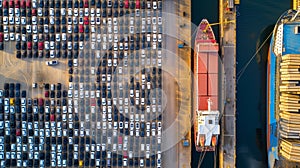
213 24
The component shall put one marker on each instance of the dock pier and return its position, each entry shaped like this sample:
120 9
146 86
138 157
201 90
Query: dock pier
227 147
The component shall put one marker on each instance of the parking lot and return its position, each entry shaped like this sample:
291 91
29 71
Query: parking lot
94 98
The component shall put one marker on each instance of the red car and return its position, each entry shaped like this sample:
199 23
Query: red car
81 28
1 37
28 3
41 101
52 117
5 4
18 132
29 45
126 4
86 20
137 4
46 93
33 12
93 102
17 3
41 45
11 3
86 4
23 4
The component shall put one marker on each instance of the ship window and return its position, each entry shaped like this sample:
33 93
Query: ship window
297 29
209 121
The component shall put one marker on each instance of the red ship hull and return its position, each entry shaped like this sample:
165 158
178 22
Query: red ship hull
206 69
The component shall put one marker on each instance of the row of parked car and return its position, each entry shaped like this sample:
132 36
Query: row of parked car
63 4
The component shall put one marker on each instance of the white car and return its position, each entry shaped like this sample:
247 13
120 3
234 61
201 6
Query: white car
17 20
92 12
69 29
11 20
154 5
98 12
86 12
51 20
80 20
6 37
57 37
18 37
75 20
17 12
11 11
5 20
81 12
69 20
52 45
81 45
70 10
34 29
12 36
51 12
34 4
40 12
98 21
23 20
46 29
34 20
76 12
52 54
159 37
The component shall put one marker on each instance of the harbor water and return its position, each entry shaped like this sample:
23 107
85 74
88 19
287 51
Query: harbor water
255 21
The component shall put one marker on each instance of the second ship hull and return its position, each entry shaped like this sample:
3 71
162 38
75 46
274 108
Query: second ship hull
282 94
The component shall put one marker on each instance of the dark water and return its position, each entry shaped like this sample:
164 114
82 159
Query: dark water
255 22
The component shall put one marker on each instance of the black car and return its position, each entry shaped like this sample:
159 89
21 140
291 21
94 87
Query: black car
18 46
65 94
81 4
76 4
64 29
46 13
63 4
28 12
63 20
58 94
64 54
58 86
70 78
57 4
70 63
23 94
51 29
104 12
46 4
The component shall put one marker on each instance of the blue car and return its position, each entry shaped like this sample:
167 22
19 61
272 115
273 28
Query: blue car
98 4
76 4
70 4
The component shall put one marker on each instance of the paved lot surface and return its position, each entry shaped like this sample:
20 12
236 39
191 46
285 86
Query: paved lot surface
177 85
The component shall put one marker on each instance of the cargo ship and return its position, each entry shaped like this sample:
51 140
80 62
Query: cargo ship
205 104
283 92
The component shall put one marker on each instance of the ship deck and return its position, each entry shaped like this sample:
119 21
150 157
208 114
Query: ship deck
288 106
